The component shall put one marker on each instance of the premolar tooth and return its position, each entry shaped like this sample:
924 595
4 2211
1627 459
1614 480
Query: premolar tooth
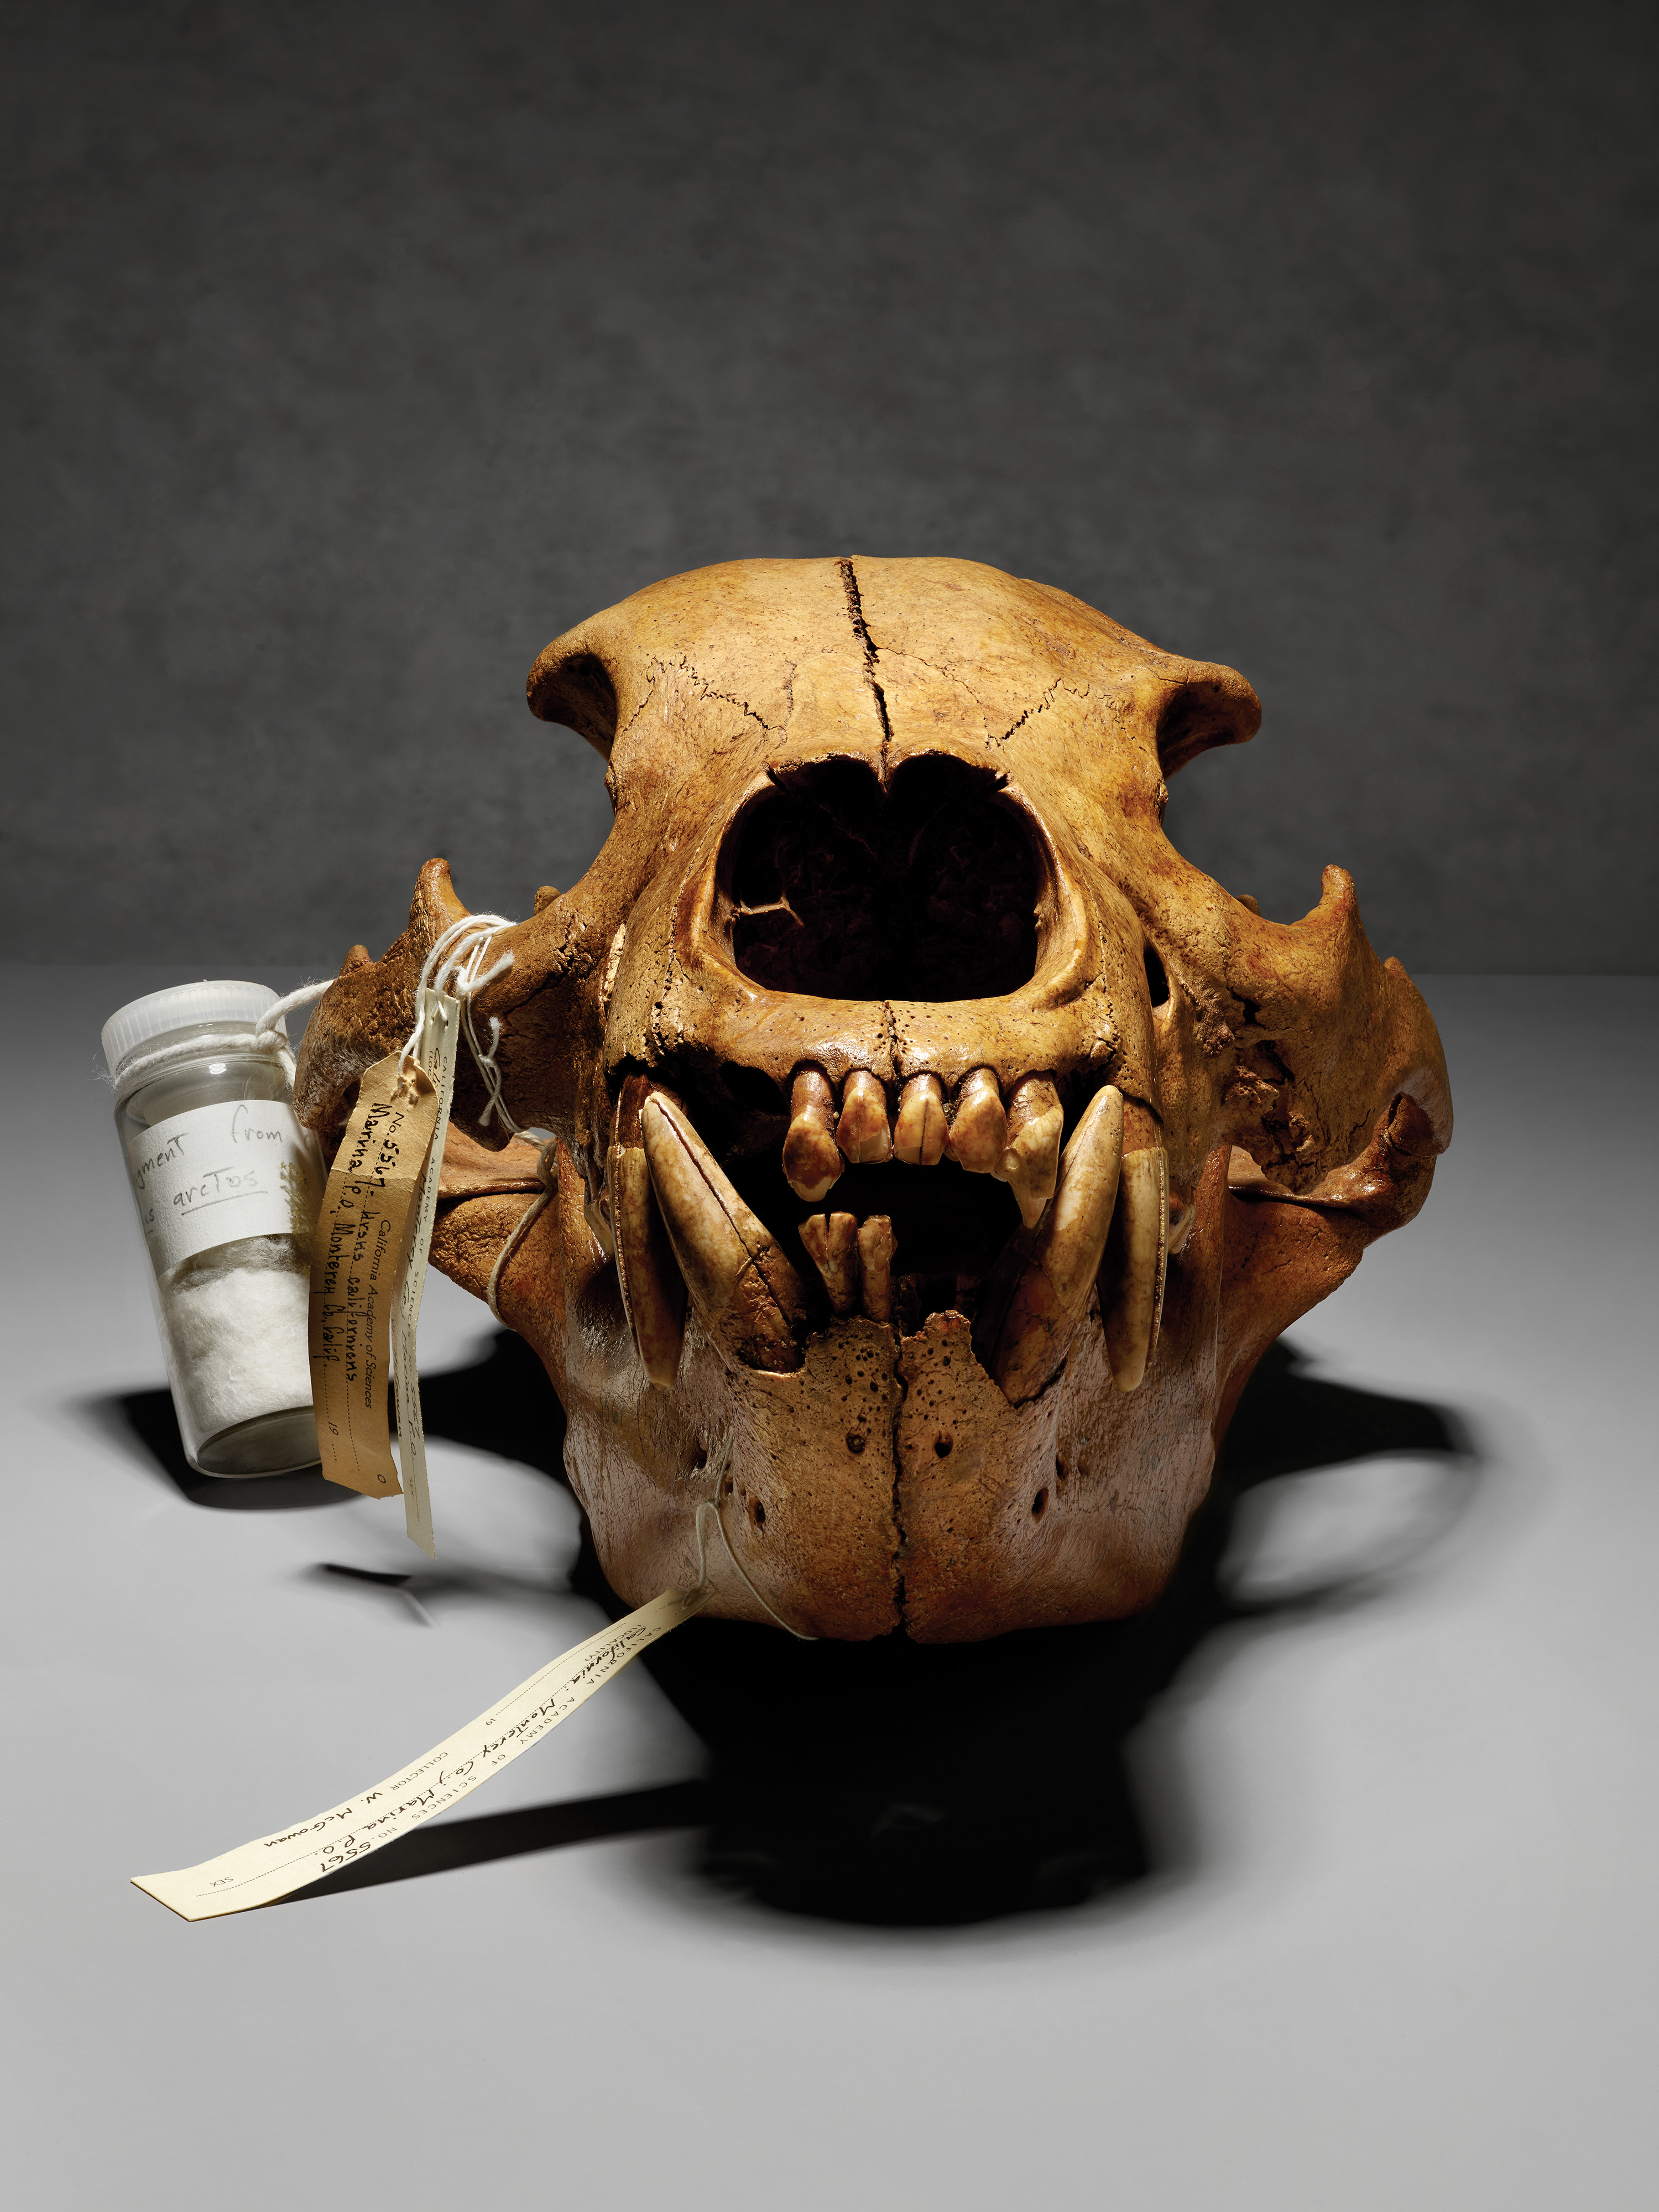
919 1134
812 1160
1031 1160
862 1133
652 1288
748 1296
876 1245
979 1135
832 1246
1131 1275
1041 1289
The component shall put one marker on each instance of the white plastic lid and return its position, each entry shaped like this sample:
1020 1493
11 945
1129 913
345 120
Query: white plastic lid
180 1008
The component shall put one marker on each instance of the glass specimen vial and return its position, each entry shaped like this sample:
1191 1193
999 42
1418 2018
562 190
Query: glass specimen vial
227 1186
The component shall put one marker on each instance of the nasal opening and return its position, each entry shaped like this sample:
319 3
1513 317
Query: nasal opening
930 889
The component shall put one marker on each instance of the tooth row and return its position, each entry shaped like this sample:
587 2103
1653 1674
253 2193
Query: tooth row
681 1231
1019 1143
855 1259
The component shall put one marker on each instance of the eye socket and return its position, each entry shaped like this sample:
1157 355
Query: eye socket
1157 982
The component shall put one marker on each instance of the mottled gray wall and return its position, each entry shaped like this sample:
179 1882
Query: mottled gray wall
363 348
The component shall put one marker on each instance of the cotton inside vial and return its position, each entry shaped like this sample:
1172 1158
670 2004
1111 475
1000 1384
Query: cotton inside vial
227 1185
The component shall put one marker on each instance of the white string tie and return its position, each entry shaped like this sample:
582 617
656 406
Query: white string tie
722 1462
266 1039
455 964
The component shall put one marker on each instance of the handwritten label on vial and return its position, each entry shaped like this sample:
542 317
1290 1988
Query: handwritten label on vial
274 1865
363 1241
241 1168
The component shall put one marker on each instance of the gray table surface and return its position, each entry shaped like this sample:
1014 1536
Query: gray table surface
1393 1942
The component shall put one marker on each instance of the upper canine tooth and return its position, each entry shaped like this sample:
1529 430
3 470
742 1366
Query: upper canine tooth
979 1135
862 1133
1040 1291
1132 1274
652 1288
748 1296
876 1245
919 1134
832 1246
1031 1160
812 1160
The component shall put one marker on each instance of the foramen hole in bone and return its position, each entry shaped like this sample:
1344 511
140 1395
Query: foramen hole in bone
929 890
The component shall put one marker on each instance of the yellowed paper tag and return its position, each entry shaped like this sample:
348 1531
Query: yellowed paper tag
260 1873
362 1240
434 1048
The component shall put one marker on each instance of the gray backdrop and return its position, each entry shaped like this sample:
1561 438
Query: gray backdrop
364 348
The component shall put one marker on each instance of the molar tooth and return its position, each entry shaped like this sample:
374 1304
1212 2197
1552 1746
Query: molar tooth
979 1135
1132 1274
811 1161
920 1135
1030 1161
832 1246
652 1288
876 1245
748 1296
1040 1291
862 1133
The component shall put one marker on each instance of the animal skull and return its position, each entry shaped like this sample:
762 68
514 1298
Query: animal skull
937 1150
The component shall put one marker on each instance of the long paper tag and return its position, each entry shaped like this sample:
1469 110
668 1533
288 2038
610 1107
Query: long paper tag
260 1873
434 1048
362 1240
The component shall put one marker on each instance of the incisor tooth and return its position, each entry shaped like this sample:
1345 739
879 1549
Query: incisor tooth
652 1288
1040 1291
811 1159
862 1133
919 1134
748 1296
1132 1274
1031 1160
979 1135
876 1245
832 1246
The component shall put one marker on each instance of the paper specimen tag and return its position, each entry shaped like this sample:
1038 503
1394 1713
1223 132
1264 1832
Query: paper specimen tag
363 1236
434 1048
260 1873
241 1168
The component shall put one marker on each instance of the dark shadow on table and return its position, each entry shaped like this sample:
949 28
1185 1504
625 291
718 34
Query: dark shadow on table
901 1785
143 1427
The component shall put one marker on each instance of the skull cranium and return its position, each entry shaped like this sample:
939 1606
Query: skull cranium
937 1149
